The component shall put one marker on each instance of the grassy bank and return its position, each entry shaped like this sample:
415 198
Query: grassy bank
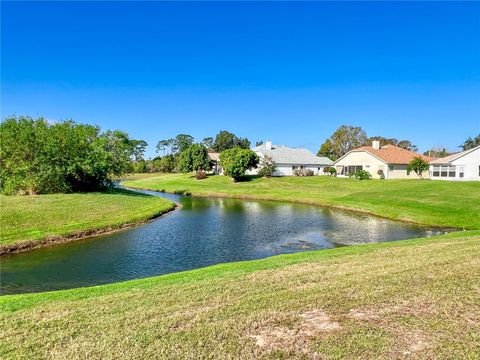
416 298
437 203
32 220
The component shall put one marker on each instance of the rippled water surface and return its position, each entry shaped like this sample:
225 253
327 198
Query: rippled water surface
204 231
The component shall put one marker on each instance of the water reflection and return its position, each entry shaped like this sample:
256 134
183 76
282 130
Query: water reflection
203 231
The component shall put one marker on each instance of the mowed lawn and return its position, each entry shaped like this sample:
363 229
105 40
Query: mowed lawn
408 299
37 217
438 203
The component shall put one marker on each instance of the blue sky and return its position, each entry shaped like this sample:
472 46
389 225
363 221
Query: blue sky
289 72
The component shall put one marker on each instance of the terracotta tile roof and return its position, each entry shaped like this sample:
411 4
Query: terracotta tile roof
392 154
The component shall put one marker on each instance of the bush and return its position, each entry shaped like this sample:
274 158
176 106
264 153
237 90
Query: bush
330 170
236 161
201 175
303 172
40 157
362 175
268 167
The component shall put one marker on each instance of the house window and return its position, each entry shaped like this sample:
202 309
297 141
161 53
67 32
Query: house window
390 167
444 171
436 171
351 169
294 167
461 171
452 171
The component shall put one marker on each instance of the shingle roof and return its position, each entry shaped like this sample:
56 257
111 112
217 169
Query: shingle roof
214 156
285 155
392 154
453 157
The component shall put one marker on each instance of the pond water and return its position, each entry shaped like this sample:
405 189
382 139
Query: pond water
204 231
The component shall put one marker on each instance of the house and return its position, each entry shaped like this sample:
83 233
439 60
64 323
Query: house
464 165
288 159
215 159
386 162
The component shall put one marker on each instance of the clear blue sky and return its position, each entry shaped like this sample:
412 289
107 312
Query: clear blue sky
289 72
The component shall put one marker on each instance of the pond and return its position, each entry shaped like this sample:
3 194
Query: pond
202 232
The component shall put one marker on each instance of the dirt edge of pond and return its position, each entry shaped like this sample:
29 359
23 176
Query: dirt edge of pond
28 245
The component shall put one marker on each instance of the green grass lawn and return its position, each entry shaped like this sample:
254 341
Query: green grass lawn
438 203
34 218
408 299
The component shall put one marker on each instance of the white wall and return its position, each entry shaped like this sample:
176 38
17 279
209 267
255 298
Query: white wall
471 166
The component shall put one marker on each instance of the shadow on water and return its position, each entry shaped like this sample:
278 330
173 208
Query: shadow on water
202 232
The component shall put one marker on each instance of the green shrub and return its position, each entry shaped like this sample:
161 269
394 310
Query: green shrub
362 175
267 167
236 161
40 157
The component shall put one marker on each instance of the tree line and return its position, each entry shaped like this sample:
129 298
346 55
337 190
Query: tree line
40 157
169 151
346 138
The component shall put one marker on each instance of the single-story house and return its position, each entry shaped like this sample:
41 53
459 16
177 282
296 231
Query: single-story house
288 159
464 165
215 159
386 162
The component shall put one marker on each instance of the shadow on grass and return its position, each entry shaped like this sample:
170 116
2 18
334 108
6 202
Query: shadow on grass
248 178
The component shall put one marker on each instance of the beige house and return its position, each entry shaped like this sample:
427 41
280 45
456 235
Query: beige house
386 162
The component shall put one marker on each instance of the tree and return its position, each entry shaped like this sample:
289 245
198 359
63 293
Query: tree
208 142
471 143
236 161
326 149
406 144
418 165
39 157
226 140
344 139
181 143
267 167
258 143
139 147
439 152
162 145
383 141
194 158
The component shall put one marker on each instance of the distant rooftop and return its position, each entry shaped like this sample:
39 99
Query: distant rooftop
286 155
453 157
392 154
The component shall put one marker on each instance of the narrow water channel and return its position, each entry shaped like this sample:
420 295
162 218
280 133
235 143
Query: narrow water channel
204 231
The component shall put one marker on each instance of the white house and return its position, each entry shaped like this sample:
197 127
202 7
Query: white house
386 162
288 159
215 159
464 165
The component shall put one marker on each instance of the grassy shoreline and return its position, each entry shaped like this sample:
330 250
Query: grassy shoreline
453 205
414 298
417 298
33 222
